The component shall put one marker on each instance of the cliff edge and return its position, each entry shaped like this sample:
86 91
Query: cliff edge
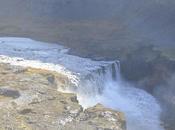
29 100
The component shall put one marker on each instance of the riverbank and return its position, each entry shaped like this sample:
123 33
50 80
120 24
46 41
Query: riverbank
29 100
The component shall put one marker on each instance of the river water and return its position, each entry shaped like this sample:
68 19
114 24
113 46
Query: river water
93 81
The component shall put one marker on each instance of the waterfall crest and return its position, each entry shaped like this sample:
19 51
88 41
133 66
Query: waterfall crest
93 81
106 86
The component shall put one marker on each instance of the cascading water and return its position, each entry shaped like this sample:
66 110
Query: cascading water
141 109
92 84
94 81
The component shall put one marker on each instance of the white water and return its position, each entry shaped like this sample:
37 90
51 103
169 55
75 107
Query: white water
96 81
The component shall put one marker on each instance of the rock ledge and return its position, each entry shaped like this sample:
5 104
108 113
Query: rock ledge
29 100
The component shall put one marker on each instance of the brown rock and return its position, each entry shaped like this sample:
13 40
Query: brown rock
34 104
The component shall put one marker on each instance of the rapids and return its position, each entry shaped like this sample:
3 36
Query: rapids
96 81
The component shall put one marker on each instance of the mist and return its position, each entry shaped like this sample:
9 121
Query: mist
138 33
93 81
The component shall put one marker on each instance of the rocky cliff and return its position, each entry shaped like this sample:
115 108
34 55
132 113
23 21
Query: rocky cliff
29 100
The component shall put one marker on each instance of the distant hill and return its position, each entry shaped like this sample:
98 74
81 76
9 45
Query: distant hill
142 21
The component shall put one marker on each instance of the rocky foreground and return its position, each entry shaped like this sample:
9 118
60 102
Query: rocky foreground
29 100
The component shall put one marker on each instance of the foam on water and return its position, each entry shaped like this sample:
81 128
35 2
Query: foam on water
141 109
97 81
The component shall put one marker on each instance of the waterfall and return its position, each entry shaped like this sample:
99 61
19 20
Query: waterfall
106 86
93 81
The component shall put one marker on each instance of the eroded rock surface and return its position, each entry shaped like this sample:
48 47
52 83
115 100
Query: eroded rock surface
29 100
